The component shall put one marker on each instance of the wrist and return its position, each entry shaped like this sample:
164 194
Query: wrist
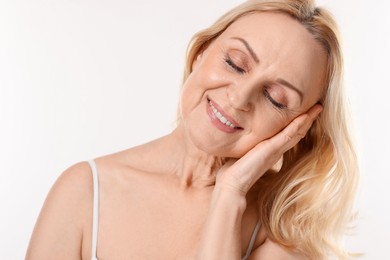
230 197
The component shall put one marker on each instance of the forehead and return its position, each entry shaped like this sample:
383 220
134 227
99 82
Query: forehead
283 45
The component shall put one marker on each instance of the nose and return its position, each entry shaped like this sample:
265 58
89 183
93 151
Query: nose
241 97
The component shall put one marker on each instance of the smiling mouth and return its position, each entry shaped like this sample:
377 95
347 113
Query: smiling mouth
221 118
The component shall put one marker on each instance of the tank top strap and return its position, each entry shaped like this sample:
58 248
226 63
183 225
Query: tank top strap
95 219
252 241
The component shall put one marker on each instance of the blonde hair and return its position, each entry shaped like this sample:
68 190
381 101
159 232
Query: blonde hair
308 203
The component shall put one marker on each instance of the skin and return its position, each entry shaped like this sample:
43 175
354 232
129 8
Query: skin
172 208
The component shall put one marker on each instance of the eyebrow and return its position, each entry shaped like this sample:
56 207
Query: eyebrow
290 86
248 47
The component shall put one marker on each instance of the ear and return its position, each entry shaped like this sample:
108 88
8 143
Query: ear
197 60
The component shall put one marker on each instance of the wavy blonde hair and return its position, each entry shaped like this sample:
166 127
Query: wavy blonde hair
308 204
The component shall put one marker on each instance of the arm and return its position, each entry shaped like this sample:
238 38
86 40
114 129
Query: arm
222 231
59 228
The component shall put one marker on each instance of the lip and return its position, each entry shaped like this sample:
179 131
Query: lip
217 123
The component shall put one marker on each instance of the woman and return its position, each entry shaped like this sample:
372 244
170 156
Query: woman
234 179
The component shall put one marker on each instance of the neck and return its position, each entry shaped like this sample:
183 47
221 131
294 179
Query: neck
180 157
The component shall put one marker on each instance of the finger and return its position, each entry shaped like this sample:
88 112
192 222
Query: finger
295 131
268 152
248 169
314 111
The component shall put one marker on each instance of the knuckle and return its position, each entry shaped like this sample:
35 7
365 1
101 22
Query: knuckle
288 138
295 128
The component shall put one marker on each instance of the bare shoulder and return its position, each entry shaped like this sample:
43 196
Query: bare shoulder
59 229
134 161
272 250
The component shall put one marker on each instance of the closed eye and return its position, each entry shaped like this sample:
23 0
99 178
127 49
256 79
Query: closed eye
273 101
231 64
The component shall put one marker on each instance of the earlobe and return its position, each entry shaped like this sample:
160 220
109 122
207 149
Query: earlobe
199 55
197 60
202 51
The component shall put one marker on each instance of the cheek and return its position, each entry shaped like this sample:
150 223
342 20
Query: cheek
191 94
185 94
267 123
206 77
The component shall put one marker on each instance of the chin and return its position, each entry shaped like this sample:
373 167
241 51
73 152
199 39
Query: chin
213 146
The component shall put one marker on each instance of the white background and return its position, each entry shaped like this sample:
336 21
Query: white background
80 79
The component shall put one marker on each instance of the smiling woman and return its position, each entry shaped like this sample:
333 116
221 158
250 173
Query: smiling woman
262 87
242 77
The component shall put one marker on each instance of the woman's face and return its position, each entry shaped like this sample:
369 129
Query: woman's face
251 82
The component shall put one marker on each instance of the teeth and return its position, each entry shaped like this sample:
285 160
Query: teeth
220 116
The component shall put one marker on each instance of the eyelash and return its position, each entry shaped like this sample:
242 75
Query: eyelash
231 64
276 104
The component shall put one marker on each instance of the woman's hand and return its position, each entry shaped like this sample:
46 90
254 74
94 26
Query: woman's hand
240 175
234 180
